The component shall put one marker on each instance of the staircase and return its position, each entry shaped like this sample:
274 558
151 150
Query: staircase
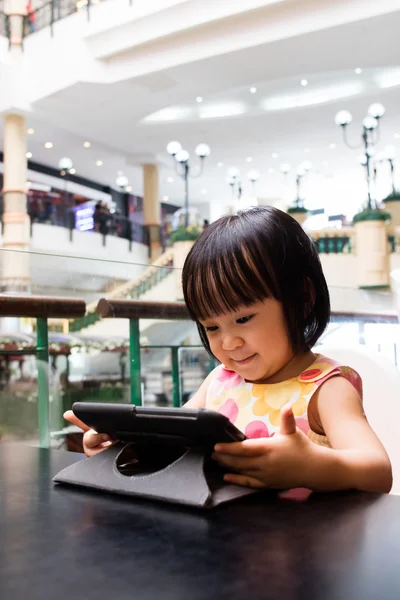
158 271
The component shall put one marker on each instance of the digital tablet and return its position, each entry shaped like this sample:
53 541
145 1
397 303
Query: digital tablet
130 423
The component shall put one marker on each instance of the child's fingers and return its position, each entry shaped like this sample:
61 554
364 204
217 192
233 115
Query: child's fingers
236 463
244 480
252 447
94 442
69 416
288 422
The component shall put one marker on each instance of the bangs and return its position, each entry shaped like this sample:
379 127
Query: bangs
225 277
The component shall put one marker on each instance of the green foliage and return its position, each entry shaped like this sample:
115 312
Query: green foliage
393 197
186 234
296 209
372 214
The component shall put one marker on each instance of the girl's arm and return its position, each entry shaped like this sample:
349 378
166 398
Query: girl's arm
357 459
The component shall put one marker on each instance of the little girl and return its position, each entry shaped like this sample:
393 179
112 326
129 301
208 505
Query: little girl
254 285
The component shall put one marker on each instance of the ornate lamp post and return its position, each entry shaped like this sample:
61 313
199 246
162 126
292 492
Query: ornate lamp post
369 138
298 209
183 168
371 234
233 179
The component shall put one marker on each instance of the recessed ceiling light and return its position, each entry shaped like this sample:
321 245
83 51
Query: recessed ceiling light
72 171
30 131
220 164
165 198
204 191
253 90
28 155
271 171
48 145
332 146
249 159
304 82
199 99
307 150
275 155
170 180
128 188
397 136
99 163
358 71
86 144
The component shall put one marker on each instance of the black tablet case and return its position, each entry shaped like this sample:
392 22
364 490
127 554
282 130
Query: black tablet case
192 479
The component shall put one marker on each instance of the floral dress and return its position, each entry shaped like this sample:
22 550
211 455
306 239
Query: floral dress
255 408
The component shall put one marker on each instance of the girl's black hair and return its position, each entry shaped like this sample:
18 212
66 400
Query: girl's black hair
258 253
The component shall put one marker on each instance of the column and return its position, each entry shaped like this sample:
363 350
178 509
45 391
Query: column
15 11
298 213
15 266
152 208
15 276
392 205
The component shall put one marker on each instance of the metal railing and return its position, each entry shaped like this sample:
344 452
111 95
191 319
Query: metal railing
115 225
43 308
56 10
40 308
338 241
50 13
333 244
46 15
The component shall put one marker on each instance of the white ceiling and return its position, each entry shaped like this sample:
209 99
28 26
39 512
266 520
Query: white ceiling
111 116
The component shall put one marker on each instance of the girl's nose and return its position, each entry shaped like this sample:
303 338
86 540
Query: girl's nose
231 342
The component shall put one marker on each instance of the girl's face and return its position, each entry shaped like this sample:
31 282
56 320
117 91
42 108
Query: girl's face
253 341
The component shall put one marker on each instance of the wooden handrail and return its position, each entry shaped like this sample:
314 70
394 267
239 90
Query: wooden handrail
41 306
136 309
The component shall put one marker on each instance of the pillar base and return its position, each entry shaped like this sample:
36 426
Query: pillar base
372 252
181 250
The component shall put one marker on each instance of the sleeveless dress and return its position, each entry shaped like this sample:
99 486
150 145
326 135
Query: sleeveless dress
255 408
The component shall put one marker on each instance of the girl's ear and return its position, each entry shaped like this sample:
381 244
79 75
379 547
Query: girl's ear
309 297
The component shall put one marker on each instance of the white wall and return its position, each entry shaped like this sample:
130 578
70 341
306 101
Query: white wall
86 253
341 275
340 270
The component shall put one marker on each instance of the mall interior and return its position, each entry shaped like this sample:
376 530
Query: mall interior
129 125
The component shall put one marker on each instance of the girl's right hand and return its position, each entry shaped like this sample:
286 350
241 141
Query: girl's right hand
93 442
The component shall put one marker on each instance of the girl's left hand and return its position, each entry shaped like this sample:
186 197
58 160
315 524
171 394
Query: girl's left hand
281 461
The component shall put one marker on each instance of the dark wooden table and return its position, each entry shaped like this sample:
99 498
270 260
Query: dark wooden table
58 543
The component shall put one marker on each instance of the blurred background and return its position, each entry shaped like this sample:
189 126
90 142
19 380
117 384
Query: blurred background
127 126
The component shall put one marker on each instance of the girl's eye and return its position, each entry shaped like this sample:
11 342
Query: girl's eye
210 329
243 320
